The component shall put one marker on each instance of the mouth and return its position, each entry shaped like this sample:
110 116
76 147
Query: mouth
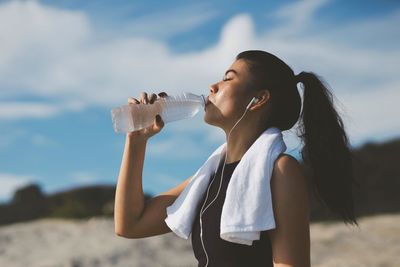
208 101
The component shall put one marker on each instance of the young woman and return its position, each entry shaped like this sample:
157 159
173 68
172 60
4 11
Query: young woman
264 76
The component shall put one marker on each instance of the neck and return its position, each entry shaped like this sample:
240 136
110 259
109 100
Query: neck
240 141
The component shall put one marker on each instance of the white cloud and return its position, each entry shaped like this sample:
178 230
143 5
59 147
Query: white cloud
372 115
9 183
374 32
296 16
17 110
176 20
63 58
74 63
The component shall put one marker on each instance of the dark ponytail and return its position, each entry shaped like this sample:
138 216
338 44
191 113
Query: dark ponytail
325 144
326 148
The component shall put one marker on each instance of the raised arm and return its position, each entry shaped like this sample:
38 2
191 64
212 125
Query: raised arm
133 217
129 196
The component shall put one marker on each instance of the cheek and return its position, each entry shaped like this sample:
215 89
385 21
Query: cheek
229 106
223 100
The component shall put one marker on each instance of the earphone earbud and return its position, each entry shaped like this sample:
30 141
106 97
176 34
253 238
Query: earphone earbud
253 101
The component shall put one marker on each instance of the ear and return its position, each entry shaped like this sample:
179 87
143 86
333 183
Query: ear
262 99
264 96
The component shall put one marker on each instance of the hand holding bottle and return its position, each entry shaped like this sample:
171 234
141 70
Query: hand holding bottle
145 133
138 115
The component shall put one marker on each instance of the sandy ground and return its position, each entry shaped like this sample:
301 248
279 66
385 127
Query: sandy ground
53 243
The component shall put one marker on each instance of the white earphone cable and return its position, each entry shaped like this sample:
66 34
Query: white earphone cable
222 174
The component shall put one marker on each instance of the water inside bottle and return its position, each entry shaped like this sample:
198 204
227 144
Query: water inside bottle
130 118
185 110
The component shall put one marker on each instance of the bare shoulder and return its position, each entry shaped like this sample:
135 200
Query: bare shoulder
290 239
288 169
289 184
286 160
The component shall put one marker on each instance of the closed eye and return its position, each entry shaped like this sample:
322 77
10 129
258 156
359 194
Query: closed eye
226 78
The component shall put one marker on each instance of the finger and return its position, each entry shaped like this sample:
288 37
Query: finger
152 98
132 100
162 94
143 98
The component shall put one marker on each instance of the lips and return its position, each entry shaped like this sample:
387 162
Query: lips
208 101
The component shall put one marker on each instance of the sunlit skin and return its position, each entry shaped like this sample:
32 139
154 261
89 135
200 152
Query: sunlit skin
290 240
228 100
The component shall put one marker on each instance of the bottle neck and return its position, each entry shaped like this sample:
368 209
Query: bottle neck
204 101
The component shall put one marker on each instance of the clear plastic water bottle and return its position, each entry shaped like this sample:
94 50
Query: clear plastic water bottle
129 118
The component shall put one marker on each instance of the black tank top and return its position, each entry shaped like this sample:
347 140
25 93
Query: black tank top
221 252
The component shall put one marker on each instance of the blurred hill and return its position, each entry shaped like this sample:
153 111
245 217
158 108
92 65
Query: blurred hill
376 169
30 203
377 172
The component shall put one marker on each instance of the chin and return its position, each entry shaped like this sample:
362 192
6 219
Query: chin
210 121
206 119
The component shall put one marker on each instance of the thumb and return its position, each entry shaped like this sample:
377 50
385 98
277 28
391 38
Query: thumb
159 123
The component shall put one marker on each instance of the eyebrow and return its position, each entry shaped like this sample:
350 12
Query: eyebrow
231 70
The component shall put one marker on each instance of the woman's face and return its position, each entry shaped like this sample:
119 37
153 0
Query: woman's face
229 97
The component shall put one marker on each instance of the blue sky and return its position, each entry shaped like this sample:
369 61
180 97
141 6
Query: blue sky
65 64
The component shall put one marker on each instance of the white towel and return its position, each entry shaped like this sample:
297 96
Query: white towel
247 209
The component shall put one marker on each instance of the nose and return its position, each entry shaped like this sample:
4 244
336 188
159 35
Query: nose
214 88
